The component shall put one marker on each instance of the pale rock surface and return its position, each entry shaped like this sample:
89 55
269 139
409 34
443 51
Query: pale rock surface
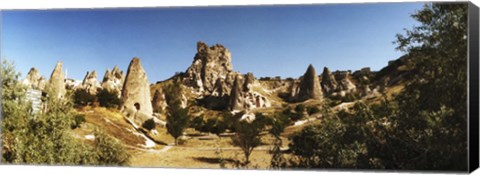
34 80
136 92
90 83
56 83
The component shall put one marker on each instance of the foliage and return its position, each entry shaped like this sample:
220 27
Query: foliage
292 115
83 98
78 119
312 110
436 124
109 151
278 123
215 125
149 124
41 138
177 118
418 129
247 135
109 99
300 108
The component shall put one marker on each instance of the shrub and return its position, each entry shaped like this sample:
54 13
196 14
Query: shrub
197 123
312 110
149 124
109 99
292 115
300 108
109 151
247 137
82 97
78 120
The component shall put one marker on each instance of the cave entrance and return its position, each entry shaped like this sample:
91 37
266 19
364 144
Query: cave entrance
137 106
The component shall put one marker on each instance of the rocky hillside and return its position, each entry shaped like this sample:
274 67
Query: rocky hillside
211 84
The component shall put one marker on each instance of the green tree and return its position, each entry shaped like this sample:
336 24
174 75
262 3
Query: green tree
247 135
109 99
177 118
278 123
109 151
432 119
82 97
40 138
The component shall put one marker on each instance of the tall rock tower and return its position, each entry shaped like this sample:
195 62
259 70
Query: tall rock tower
56 84
309 86
136 89
329 84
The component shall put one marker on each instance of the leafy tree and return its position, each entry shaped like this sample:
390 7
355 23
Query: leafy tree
40 138
432 118
177 118
109 151
312 110
149 124
247 135
278 123
109 99
82 97
300 108
418 128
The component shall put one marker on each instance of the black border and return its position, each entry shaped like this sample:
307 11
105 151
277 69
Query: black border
473 105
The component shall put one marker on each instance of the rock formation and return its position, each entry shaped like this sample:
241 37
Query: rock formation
329 84
344 81
159 102
56 83
90 83
71 84
113 80
243 97
309 87
236 101
136 90
34 80
209 65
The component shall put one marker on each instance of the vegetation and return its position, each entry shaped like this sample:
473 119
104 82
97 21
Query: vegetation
109 151
417 129
278 123
149 124
177 118
109 99
44 138
247 135
81 97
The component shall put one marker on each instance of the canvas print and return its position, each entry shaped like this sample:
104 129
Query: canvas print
374 86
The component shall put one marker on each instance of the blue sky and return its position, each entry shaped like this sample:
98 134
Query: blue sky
265 40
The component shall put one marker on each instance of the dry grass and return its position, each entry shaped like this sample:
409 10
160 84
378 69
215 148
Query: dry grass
112 122
199 157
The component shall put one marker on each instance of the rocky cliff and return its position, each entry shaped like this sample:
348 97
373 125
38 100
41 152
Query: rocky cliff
211 71
113 80
56 83
309 87
90 83
136 92
34 80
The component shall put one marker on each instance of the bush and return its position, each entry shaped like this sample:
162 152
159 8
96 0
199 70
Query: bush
292 115
45 138
78 120
197 123
149 124
300 108
83 98
109 99
109 151
312 110
247 136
